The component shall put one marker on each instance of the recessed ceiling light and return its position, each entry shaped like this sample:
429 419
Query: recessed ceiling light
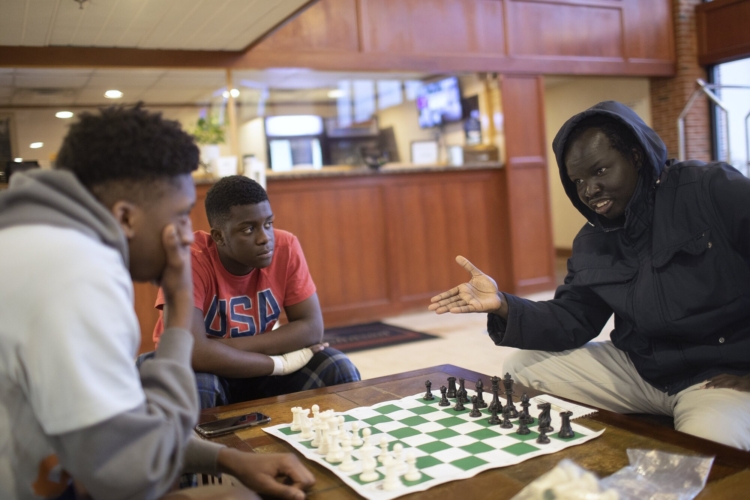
18 160
235 93
335 94
36 145
113 94
64 114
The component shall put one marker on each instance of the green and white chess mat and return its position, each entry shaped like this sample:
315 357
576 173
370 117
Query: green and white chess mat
449 445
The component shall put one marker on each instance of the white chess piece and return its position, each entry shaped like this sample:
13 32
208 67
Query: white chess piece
334 450
356 440
347 464
318 433
368 467
383 450
392 481
342 430
413 473
305 424
398 457
316 412
295 418
324 444
366 446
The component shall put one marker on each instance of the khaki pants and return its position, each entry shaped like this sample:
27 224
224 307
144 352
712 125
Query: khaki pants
599 374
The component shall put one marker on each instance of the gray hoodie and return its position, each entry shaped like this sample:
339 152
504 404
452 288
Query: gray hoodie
139 453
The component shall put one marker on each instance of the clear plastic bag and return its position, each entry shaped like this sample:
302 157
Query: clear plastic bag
656 475
651 475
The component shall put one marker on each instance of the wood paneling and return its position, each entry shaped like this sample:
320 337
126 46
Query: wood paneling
554 29
433 27
528 189
602 37
328 25
723 33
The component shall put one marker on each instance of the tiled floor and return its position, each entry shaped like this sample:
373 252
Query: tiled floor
463 342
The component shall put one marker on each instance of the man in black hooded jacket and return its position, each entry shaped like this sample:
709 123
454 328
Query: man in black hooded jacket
667 250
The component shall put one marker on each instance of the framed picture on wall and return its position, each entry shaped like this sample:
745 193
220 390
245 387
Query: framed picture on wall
424 152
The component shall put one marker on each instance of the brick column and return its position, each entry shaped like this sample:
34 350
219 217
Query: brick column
669 95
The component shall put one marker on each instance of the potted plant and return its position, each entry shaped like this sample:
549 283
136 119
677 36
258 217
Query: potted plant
208 133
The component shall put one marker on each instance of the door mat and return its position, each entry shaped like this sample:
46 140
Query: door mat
371 336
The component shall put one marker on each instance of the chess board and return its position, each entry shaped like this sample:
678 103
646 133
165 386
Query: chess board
449 444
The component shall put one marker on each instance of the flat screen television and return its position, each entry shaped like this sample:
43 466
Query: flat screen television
439 102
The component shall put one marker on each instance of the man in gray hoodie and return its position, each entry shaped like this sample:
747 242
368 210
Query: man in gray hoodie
73 406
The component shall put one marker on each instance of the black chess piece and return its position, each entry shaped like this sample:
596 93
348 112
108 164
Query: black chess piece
525 415
459 405
495 395
494 420
428 395
507 424
451 387
462 393
544 418
480 394
566 431
443 399
542 438
523 429
508 384
475 408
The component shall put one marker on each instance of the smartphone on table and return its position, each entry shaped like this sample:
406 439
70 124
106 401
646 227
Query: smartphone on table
230 424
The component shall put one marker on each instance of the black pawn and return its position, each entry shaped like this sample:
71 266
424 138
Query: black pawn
451 387
542 439
494 420
475 408
566 431
525 416
459 405
480 394
508 384
507 424
522 428
444 399
428 395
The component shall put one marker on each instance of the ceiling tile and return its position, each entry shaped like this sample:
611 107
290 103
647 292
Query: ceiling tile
11 22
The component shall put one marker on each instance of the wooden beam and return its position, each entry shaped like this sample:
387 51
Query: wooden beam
722 31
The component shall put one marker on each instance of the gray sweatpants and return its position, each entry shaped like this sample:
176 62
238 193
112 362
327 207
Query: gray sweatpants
601 375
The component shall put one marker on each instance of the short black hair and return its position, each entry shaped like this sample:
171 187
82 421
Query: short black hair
126 144
620 136
231 191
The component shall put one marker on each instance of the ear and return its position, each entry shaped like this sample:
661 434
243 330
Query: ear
637 159
218 236
128 215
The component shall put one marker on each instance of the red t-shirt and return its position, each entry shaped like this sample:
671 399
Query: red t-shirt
240 306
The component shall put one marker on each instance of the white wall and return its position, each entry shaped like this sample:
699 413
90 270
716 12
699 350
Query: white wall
565 97
252 138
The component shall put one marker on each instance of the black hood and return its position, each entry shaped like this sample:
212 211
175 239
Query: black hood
653 147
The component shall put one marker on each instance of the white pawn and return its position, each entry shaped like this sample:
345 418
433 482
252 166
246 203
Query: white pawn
305 424
342 432
295 418
356 440
398 456
392 481
368 468
324 444
318 433
347 464
316 412
413 473
383 450
366 446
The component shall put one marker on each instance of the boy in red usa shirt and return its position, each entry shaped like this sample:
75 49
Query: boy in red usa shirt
244 273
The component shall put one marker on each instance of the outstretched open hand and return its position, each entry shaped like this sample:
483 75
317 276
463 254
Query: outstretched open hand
479 295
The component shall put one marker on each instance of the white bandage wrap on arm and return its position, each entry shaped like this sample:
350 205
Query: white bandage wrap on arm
291 361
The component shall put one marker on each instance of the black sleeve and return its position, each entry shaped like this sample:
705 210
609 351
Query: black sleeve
730 195
575 316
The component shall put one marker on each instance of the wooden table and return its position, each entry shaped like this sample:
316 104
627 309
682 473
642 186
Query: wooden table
729 478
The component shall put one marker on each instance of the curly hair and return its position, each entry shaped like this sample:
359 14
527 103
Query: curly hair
128 145
229 192
620 137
